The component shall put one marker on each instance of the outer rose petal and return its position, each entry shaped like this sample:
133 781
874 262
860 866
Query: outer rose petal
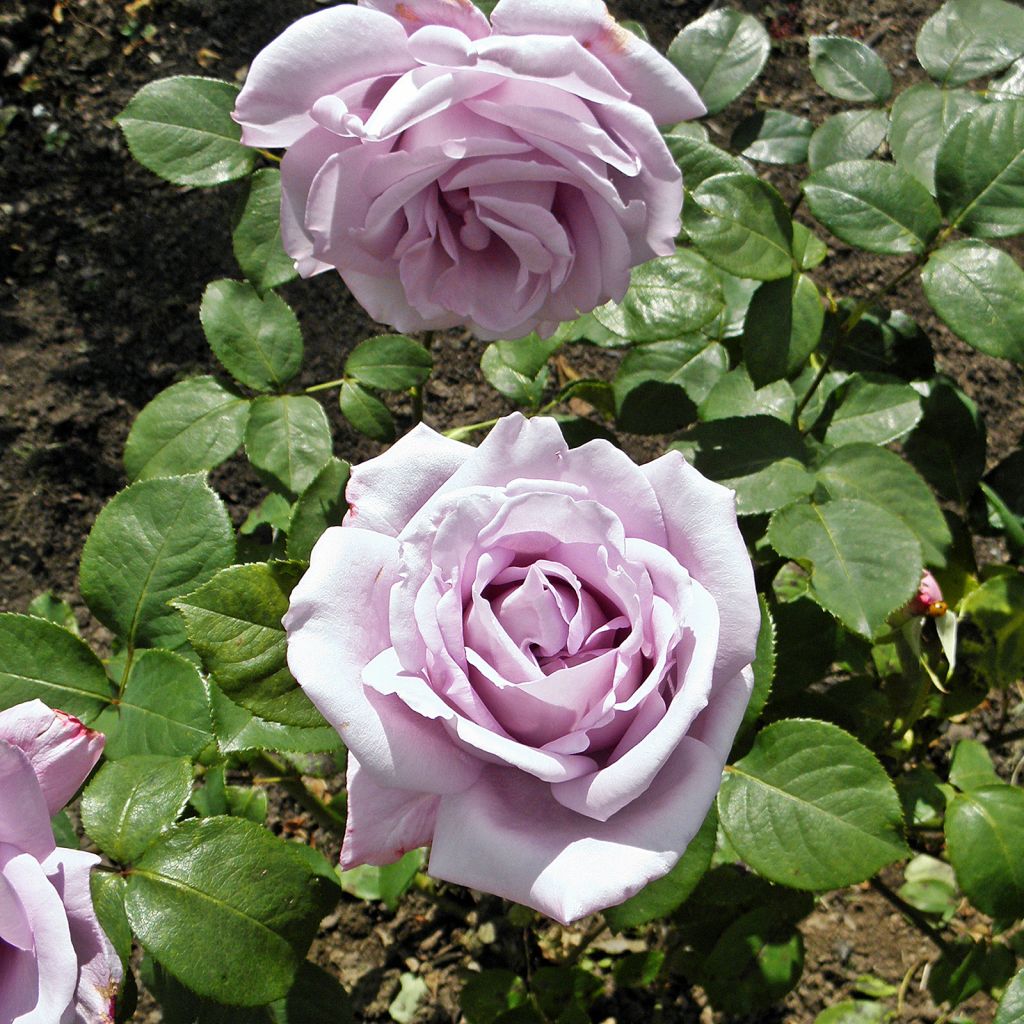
316 56
337 623
414 14
700 517
508 835
100 969
386 492
24 817
37 986
384 824
61 750
653 82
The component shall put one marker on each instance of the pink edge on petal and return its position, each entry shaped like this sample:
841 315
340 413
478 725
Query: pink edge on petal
61 750
413 15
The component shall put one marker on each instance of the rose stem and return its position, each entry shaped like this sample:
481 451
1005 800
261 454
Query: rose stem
292 783
915 916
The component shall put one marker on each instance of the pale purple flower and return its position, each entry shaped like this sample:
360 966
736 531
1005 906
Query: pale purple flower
503 175
538 658
56 965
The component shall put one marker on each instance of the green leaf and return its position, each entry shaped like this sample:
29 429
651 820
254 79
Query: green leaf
699 159
808 249
762 458
64 832
367 413
855 1011
638 970
812 808
321 505
389 362
388 883
234 624
885 341
657 385
874 206
1011 1006
487 995
848 69
984 836
996 611
274 511
315 998
930 886
967 967
256 337
181 129
920 119
979 291
851 135
971 767
667 298
151 543
189 427
737 291
879 476
129 802
721 54
734 395
518 369
873 412
742 225
757 960
923 796
164 709
662 896
226 907
256 239
948 445
54 609
979 171
852 575
1011 85
40 660
966 39
763 665
773 137
784 324
240 731
247 802
107 890
805 644
289 439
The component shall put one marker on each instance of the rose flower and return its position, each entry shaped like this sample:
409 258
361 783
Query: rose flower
504 176
56 965
538 658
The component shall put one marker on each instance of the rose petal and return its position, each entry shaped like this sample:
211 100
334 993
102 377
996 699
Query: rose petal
329 646
335 48
24 816
652 81
384 493
508 835
383 823
638 760
414 14
700 518
100 970
61 750
37 987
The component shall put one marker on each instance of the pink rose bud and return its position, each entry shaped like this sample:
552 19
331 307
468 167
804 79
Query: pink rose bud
505 176
928 599
537 656
58 964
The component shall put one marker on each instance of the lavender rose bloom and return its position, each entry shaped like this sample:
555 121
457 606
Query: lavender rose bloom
56 965
503 175
538 658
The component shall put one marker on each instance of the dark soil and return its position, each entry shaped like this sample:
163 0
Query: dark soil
101 270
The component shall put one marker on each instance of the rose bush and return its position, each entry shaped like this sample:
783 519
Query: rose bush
538 658
56 965
505 176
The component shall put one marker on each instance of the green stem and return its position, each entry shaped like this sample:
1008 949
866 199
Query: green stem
292 783
124 675
325 387
920 922
267 155
461 433
850 322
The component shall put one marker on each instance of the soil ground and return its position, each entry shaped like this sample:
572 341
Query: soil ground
101 270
